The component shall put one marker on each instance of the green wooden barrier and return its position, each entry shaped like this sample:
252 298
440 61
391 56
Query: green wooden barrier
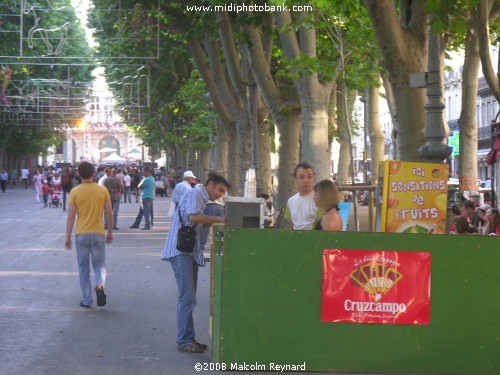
267 305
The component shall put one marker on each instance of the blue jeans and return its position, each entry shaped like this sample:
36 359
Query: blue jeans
115 206
87 246
186 275
126 193
146 210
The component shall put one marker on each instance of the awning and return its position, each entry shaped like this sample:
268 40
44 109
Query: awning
134 151
494 153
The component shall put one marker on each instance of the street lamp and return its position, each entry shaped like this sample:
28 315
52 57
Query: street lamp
365 156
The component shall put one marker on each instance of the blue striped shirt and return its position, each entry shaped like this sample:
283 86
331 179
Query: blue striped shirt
193 202
180 190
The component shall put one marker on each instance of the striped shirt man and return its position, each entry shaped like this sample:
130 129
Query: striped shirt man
192 203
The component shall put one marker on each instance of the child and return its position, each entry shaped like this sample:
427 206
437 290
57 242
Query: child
45 193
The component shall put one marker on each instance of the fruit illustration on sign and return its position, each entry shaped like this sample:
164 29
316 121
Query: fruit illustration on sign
392 201
436 173
442 202
395 168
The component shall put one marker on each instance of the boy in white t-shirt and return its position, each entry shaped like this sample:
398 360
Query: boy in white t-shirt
301 211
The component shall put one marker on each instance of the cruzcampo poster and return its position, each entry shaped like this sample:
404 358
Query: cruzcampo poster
414 197
376 286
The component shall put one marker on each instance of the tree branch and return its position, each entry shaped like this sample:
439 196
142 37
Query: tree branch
484 9
307 36
157 67
261 70
287 35
267 38
221 83
199 58
230 53
388 30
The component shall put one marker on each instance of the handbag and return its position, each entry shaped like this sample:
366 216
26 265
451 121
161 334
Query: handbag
186 236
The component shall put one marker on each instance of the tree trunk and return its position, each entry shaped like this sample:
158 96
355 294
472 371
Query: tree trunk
314 95
232 164
244 151
410 137
343 130
221 150
332 123
314 99
403 41
288 126
2 161
467 122
263 173
394 113
488 11
204 164
377 138
283 108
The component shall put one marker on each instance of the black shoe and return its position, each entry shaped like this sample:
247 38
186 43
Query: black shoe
134 226
101 297
200 345
145 228
190 348
115 228
83 305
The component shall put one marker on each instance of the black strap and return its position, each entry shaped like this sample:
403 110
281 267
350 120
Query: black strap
180 216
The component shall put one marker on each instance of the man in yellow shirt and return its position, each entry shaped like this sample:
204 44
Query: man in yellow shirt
88 200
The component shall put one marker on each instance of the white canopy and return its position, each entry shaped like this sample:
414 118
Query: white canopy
161 161
107 149
114 158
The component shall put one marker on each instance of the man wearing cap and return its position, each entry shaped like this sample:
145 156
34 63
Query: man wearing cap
181 189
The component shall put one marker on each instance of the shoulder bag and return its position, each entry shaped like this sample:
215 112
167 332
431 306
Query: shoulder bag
186 236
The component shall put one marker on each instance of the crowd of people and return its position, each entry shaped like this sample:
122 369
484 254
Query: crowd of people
475 219
96 196
48 183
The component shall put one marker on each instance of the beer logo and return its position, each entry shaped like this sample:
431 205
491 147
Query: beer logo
375 279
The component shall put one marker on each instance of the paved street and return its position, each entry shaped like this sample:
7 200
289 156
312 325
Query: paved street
43 328
44 331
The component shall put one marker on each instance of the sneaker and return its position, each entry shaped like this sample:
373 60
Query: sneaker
144 228
101 297
115 228
134 226
83 304
203 346
190 348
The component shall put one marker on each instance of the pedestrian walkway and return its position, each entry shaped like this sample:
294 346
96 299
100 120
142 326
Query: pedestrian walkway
44 331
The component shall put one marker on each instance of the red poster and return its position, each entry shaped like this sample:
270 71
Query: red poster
368 286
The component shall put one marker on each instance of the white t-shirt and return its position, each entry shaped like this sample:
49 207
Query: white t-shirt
24 173
101 180
127 180
56 181
302 210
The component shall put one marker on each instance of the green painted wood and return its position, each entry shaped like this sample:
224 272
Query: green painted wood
216 300
270 308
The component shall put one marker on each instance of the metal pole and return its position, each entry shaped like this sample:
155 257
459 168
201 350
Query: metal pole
21 35
363 100
435 150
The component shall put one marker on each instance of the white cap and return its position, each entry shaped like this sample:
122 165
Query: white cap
189 174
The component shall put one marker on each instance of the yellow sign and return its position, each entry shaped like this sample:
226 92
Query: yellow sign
414 197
